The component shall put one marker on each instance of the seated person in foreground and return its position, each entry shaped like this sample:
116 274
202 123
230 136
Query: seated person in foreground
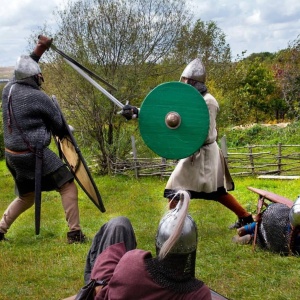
278 229
130 273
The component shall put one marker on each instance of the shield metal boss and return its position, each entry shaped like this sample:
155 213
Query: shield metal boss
174 120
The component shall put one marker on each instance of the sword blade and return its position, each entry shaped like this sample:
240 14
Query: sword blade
72 60
95 84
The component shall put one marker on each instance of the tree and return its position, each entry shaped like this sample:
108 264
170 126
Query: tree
257 88
123 40
234 107
288 77
251 92
205 40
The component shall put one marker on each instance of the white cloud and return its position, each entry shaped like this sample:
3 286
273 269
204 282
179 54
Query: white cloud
18 20
254 19
256 25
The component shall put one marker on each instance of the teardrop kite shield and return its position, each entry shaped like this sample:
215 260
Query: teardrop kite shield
174 120
72 155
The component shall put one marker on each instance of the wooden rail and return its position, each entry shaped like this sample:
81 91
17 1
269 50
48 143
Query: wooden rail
251 160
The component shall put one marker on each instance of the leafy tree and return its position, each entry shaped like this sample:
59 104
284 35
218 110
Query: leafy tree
257 88
288 77
205 40
262 56
233 108
251 91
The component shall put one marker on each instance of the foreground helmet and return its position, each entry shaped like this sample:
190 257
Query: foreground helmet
186 243
195 70
176 248
295 213
26 67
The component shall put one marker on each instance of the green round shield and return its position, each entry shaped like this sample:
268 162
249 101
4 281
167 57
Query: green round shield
174 120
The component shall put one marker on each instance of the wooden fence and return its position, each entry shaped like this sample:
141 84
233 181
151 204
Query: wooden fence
265 160
251 160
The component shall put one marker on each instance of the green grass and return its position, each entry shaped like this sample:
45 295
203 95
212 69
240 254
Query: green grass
46 267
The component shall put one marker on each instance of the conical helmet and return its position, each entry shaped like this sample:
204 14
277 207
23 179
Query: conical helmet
177 231
186 243
26 67
195 70
294 215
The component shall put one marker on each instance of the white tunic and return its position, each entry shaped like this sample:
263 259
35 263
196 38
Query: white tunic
204 174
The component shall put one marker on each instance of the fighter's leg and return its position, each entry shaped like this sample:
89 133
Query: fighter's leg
244 217
115 231
15 209
69 198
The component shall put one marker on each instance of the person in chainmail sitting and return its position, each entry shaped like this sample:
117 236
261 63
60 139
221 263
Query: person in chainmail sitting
30 117
124 272
278 229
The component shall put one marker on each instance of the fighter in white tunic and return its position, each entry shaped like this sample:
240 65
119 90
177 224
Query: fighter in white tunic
205 174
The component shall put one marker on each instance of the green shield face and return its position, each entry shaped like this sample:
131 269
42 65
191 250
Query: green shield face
174 120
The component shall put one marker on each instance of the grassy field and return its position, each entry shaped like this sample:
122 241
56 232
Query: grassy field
46 267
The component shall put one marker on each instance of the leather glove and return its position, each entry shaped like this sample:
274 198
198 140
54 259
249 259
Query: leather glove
42 45
130 112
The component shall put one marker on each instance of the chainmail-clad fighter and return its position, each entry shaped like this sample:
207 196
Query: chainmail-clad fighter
278 229
29 119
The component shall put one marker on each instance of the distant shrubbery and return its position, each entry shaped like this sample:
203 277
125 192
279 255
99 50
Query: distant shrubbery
262 135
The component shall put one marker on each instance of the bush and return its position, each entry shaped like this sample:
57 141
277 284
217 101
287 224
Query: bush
262 135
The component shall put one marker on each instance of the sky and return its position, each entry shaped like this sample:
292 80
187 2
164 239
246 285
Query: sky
251 25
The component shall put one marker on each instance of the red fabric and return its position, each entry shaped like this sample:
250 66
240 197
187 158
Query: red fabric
128 278
107 261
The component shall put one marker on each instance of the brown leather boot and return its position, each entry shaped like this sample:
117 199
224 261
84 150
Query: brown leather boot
76 236
241 222
2 237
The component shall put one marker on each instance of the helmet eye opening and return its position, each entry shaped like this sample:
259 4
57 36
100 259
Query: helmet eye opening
188 81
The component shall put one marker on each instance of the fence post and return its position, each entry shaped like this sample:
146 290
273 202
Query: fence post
279 158
251 160
224 147
136 172
163 168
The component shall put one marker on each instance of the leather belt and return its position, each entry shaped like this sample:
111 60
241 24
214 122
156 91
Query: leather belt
17 152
